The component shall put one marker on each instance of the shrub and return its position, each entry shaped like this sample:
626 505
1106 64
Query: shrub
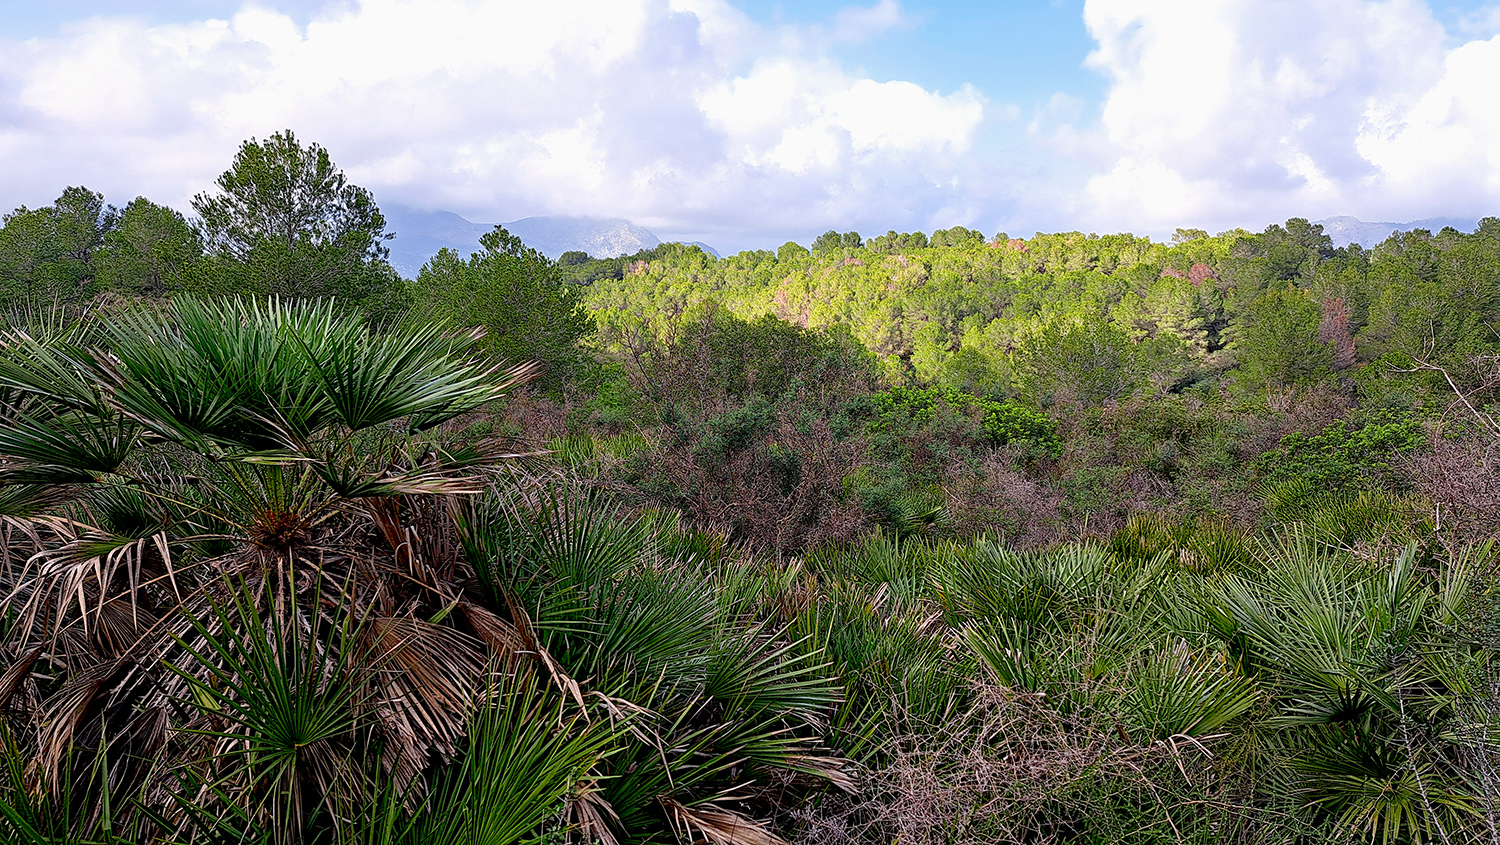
1002 421
1340 455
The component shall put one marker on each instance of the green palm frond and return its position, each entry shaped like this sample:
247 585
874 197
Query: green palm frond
51 372
990 581
1007 648
71 441
24 501
575 542
282 700
416 372
644 625
527 750
1374 792
1180 692
755 672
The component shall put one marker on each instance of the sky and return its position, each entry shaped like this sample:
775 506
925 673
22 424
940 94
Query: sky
746 123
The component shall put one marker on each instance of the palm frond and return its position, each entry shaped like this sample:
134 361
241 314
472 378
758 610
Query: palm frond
715 825
74 442
286 696
527 750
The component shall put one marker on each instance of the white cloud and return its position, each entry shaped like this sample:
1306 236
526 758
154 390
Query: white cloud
494 108
1235 111
1447 144
798 116
687 116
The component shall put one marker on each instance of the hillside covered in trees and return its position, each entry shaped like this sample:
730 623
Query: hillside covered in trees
921 538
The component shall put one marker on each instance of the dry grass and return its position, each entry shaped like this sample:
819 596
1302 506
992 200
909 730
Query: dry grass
1013 769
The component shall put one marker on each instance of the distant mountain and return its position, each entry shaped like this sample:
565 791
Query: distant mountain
597 236
420 234
1349 230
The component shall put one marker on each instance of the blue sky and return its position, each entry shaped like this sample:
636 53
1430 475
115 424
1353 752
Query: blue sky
746 122
1023 52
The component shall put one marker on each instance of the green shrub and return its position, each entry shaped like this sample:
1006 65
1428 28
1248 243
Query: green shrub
1340 455
1003 421
734 429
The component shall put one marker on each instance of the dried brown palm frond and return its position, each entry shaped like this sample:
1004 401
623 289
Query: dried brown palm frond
715 825
17 674
426 679
590 817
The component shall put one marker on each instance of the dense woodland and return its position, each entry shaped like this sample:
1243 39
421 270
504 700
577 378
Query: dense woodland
947 538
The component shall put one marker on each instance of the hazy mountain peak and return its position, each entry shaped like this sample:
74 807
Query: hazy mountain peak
601 237
1345 230
420 234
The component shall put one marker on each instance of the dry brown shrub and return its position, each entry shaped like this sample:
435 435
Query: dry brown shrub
745 497
536 418
997 497
1307 410
1461 478
1013 768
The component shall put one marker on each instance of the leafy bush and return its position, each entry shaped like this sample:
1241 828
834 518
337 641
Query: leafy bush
1341 455
1003 421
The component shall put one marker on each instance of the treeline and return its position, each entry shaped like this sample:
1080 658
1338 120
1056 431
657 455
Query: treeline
1052 318
1098 318
811 394
284 221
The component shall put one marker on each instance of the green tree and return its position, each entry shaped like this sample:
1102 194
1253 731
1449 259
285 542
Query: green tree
47 254
894 242
1279 254
151 251
1278 344
831 240
958 236
286 221
791 251
528 312
1094 361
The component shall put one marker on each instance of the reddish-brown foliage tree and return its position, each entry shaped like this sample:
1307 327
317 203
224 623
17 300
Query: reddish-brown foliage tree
1334 331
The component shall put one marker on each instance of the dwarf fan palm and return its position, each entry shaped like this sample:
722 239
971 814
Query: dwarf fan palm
1367 682
279 458
726 710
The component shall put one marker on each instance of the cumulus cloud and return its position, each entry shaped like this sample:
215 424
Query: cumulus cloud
800 116
1235 111
683 115
689 117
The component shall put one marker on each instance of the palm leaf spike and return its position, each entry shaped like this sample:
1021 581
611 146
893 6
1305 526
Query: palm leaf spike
54 371
528 753
372 380
86 445
1457 580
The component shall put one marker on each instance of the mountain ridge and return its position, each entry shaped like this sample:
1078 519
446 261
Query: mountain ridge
1345 230
420 234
